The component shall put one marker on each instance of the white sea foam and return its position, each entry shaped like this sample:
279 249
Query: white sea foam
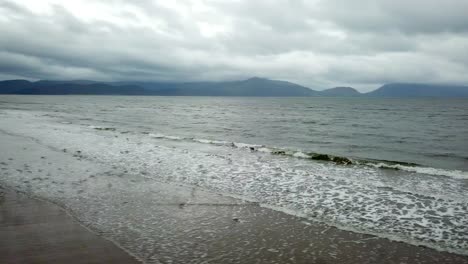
457 174
246 146
301 155
165 136
265 150
213 142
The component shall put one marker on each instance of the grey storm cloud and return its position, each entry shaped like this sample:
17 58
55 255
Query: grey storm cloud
319 43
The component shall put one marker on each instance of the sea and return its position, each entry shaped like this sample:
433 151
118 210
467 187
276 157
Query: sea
391 167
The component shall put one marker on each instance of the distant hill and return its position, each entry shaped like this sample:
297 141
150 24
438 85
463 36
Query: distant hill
65 88
419 90
14 86
82 82
260 87
341 92
250 87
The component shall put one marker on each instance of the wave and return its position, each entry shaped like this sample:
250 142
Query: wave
381 164
457 174
164 136
340 160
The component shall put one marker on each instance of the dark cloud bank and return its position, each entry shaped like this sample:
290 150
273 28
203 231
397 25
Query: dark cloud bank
318 44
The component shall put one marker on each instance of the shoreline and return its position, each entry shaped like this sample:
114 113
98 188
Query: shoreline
54 235
35 231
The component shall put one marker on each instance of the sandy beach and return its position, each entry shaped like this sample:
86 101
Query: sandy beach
34 231
158 222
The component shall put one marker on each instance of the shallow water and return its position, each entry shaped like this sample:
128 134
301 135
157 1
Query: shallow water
224 145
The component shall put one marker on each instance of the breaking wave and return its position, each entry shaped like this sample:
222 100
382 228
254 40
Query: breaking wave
340 160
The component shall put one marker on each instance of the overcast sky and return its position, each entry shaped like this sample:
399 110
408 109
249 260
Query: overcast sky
319 44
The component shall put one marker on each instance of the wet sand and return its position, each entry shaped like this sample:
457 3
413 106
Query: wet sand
33 231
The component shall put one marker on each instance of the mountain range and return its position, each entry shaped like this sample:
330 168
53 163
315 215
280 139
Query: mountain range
259 87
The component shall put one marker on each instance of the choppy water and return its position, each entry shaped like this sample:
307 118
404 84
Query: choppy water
407 180
429 132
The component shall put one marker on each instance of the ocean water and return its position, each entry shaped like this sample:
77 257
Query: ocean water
396 168
427 132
